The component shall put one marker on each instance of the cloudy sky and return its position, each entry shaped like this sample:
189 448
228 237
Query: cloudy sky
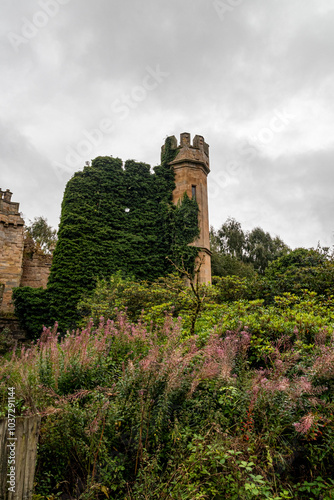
83 78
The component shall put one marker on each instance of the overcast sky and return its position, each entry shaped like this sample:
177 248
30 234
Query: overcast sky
83 78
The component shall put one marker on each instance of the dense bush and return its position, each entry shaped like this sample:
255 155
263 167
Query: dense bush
33 308
302 269
150 298
227 265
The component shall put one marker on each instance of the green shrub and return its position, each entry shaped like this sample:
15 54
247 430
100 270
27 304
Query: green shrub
33 308
302 269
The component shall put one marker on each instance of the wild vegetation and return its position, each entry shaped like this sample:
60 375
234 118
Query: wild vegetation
213 392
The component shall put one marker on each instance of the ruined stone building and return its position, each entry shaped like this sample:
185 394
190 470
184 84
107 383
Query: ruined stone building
20 264
23 265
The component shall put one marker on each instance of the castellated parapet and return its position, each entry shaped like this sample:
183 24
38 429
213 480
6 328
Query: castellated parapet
191 167
11 247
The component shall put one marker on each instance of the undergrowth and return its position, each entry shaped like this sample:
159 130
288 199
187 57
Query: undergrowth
144 410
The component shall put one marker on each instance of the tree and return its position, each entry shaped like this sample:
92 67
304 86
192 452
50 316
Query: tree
236 252
261 249
223 264
231 238
43 235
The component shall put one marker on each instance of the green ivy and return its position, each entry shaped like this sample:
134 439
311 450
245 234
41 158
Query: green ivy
116 218
32 308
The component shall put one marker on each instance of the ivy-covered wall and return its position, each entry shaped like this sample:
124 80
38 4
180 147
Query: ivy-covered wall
117 217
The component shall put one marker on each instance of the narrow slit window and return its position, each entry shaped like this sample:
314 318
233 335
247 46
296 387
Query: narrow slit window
193 192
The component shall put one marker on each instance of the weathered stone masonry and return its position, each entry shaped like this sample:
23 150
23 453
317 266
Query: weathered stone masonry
20 265
191 167
11 247
35 268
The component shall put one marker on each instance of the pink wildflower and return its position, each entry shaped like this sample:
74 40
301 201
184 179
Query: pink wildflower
305 423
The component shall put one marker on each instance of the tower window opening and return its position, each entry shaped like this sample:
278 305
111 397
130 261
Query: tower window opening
193 192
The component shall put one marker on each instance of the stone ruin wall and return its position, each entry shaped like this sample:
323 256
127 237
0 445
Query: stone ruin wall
11 248
35 268
20 263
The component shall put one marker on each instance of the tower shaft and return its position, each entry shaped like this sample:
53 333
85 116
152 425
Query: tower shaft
191 168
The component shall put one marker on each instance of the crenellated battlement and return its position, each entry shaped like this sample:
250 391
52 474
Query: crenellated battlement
185 143
195 154
6 195
9 210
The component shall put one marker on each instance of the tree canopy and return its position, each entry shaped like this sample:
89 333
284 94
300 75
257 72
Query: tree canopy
236 251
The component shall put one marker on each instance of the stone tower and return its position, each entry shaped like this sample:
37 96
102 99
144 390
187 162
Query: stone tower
11 248
191 167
